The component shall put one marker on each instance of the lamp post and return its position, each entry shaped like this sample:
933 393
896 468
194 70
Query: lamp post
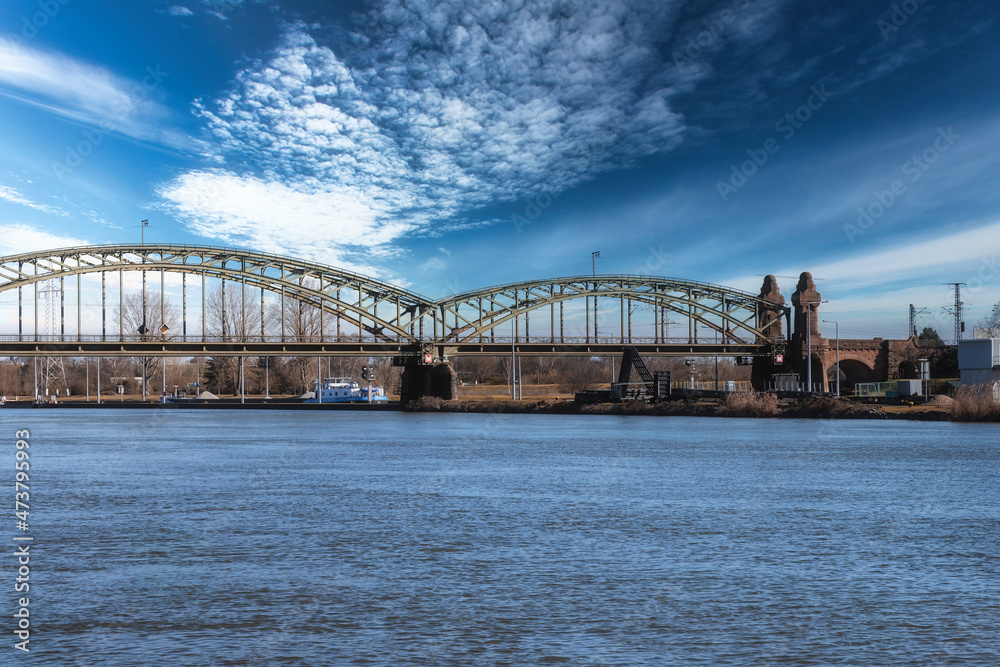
142 366
143 330
925 376
142 226
837 334
691 371
267 377
163 333
513 363
809 357
593 271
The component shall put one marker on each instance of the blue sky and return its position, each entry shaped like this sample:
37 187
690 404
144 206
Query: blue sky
452 145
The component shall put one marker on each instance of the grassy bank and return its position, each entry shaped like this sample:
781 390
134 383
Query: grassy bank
753 405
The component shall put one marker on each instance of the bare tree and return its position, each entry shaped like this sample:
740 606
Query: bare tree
13 379
302 321
233 314
991 323
581 373
147 319
482 370
117 371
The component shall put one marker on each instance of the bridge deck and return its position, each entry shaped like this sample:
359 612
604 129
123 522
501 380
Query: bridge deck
442 349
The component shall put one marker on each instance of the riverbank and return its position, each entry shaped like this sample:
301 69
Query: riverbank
232 404
759 406
820 407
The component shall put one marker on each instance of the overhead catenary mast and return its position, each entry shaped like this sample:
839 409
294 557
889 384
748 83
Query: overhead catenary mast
912 331
956 310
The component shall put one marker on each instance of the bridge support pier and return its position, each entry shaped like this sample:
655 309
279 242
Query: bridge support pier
762 373
439 381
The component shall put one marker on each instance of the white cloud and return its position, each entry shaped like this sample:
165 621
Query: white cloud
958 254
177 10
18 238
918 258
221 9
86 94
433 264
319 222
10 194
445 108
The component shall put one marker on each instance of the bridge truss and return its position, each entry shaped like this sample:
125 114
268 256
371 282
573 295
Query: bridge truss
310 309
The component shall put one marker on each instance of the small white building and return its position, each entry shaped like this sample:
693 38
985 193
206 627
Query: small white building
979 361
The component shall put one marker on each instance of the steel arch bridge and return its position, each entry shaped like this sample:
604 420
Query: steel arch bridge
356 315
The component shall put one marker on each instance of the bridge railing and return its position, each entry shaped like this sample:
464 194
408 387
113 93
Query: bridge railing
198 338
736 386
583 340
355 338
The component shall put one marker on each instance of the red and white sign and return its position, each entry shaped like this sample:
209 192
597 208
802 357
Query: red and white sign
428 358
779 358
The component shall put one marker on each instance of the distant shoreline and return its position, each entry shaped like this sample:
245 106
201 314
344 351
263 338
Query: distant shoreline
814 408
225 404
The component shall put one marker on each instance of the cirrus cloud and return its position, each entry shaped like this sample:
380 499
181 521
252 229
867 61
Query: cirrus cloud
92 96
17 238
12 195
328 223
438 109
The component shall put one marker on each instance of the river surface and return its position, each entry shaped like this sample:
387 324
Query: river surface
340 538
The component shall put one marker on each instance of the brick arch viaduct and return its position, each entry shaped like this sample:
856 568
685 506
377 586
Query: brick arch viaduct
861 360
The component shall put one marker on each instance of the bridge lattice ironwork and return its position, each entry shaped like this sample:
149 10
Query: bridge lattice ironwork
389 317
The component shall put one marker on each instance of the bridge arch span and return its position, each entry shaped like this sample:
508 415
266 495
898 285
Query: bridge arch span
729 315
612 309
376 307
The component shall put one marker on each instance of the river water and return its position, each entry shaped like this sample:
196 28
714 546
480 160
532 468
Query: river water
339 538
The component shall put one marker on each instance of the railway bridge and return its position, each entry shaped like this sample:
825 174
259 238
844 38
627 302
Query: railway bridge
165 300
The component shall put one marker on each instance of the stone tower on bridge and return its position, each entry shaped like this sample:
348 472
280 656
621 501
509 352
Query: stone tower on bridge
806 336
764 367
861 360
769 292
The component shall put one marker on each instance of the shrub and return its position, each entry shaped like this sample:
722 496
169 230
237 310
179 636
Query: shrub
752 404
426 404
976 403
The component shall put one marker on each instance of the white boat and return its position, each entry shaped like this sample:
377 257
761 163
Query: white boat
345 390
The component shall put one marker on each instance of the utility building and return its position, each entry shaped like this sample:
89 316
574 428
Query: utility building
979 361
